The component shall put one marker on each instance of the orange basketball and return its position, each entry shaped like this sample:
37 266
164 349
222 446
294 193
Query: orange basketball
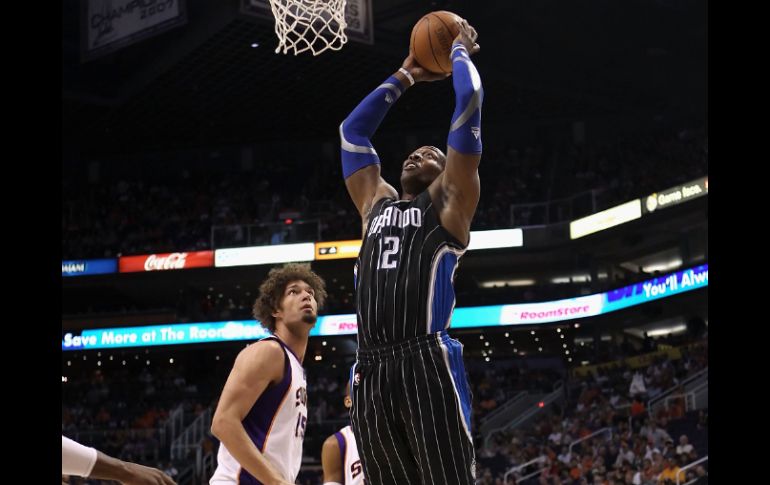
432 38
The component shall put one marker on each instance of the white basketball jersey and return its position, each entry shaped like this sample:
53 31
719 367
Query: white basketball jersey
351 463
276 425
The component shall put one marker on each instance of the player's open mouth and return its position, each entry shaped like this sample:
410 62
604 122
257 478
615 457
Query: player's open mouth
410 166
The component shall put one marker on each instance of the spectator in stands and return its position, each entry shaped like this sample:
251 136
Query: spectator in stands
669 450
701 475
670 471
625 455
658 435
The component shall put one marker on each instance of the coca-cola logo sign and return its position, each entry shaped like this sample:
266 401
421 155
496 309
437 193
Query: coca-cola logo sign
167 261
172 261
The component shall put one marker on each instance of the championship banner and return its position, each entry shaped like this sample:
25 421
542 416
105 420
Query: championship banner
358 16
166 261
109 25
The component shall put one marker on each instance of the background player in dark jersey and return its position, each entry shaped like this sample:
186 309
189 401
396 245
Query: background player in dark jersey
261 415
411 401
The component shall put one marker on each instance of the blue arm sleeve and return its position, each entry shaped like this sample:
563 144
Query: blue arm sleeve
465 131
360 125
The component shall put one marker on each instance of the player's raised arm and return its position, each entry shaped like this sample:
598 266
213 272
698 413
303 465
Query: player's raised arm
460 181
360 162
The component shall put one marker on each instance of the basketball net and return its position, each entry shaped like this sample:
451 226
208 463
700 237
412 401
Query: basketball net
315 25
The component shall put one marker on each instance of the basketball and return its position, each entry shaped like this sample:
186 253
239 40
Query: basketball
432 38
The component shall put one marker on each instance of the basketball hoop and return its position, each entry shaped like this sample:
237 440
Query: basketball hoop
315 25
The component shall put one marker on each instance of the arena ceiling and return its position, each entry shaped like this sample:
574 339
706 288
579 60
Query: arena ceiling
203 84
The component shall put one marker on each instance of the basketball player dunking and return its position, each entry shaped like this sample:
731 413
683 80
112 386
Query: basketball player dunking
411 400
261 416
339 455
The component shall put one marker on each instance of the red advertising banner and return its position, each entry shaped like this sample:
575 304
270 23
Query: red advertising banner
166 261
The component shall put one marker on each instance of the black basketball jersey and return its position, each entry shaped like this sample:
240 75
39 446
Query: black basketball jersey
404 272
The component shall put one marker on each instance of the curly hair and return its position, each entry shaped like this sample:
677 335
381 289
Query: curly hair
271 290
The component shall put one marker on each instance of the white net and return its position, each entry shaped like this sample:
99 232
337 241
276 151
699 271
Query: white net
314 25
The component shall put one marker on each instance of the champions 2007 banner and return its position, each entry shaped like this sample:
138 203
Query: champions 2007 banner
466 317
109 25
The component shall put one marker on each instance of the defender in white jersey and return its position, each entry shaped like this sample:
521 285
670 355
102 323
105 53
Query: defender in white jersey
261 416
339 455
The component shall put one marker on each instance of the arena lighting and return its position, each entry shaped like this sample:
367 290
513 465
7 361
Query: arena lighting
504 283
663 266
318 357
667 330
323 343
506 334
171 360
284 253
64 378
578 278
540 404
499 238
288 221
614 216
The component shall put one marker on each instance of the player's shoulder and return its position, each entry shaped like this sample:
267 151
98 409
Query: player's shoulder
331 444
265 346
264 352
